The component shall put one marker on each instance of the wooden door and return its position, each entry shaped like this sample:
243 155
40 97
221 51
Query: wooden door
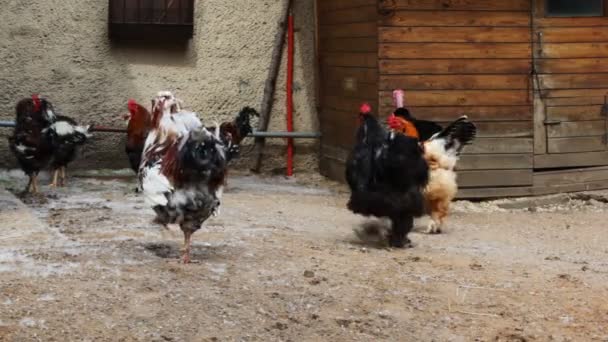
571 82
348 75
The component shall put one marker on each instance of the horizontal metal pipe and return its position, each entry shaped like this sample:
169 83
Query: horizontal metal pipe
107 129
294 135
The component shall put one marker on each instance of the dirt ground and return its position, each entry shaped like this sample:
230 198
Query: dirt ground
282 263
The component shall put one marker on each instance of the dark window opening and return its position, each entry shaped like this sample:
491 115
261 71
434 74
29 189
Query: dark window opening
575 8
156 19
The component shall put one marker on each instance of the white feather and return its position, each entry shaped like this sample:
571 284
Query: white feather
155 186
50 114
445 159
217 130
63 128
165 93
186 122
22 148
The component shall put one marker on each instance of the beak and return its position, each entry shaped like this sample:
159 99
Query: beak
126 117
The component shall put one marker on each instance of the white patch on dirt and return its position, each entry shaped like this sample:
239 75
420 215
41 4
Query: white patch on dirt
47 297
28 322
15 262
106 173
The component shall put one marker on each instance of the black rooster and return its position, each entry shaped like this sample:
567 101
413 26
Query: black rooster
386 173
30 142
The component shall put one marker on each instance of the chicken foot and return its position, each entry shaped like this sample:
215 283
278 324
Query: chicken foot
439 211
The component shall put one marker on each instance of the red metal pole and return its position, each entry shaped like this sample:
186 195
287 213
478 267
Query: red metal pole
290 48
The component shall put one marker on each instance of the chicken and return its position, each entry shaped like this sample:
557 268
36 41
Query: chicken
386 174
29 142
183 166
137 131
421 129
233 132
65 136
441 153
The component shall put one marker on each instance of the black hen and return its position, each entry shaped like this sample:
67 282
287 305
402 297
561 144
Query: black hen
426 129
30 143
65 136
386 174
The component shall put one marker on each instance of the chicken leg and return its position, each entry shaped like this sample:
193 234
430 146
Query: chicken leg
439 210
187 245
63 182
401 226
55 176
28 188
32 186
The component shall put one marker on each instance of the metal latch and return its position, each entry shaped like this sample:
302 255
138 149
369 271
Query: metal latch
552 122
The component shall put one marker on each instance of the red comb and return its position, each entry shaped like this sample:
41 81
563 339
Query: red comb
365 108
132 104
37 103
393 121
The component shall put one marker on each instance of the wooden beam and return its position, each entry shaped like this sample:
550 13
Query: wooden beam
490 66
456 18
269 88
493 178
569 177
564 160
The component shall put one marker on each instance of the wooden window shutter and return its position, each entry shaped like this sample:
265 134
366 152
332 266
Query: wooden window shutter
153 19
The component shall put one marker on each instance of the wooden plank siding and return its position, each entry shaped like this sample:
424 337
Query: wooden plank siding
534 85
571 56
348 73
465 57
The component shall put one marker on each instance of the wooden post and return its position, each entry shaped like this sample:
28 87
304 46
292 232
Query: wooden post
289 96
271 81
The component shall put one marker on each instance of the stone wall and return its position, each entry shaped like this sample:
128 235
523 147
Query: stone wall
60 49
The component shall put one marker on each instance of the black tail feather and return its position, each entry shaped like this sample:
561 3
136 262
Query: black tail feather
458 134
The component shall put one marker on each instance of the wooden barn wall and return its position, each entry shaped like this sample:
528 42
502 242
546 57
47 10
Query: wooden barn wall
571 59
466 57
348 74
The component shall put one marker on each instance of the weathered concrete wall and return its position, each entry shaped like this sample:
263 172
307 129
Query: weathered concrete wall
60 49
